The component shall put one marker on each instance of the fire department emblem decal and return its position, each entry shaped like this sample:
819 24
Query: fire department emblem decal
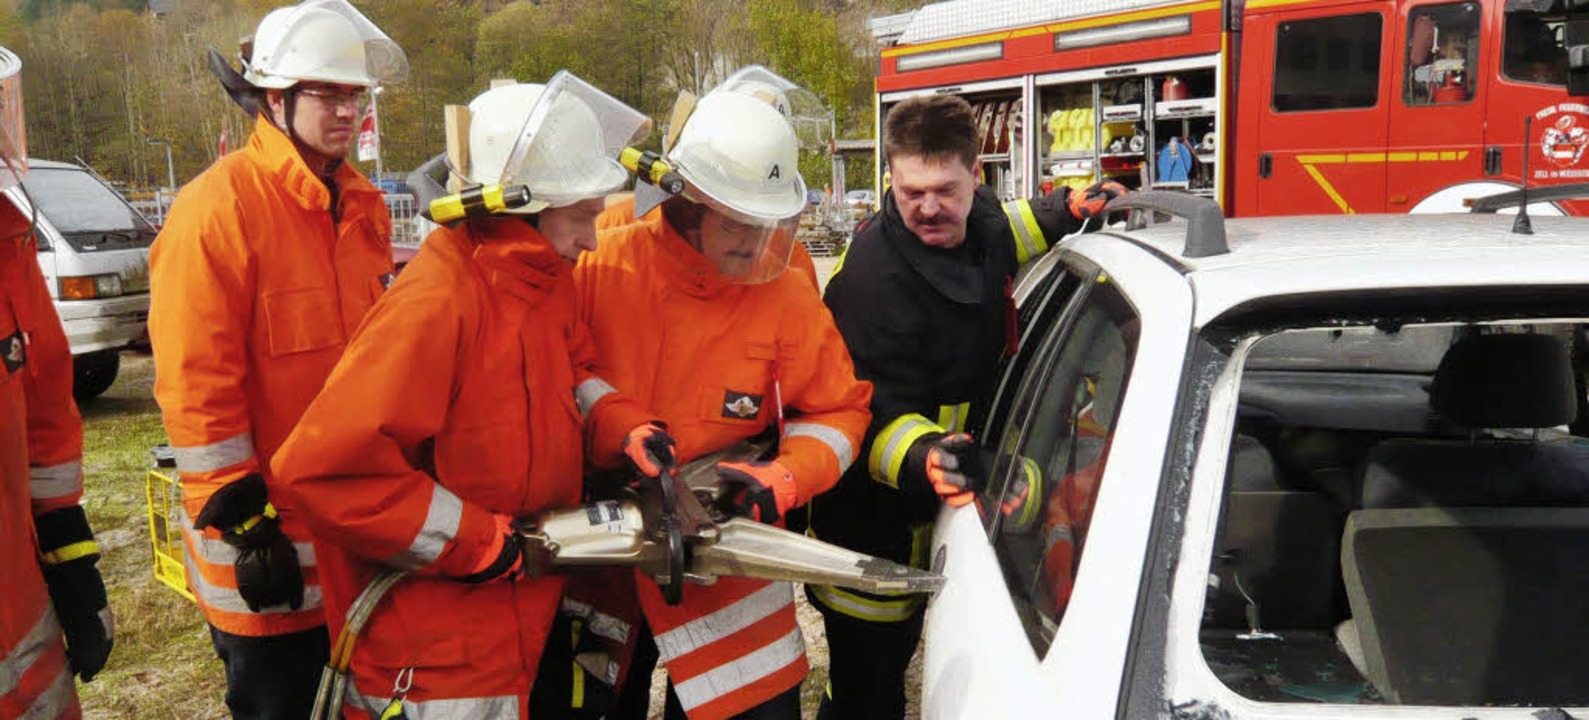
740 406
1564 139
12 352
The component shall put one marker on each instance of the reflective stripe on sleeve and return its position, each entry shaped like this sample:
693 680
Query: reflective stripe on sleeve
28 650
56 481
216 455
1029 240
441 526
501 707
864 608
588 393
891 445
953 417
1034 495
835 440
726 621
731 677
230 600
70 552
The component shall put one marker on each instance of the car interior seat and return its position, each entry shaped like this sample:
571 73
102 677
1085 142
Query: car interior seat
1465 569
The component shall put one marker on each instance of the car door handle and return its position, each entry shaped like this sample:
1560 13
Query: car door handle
1266 165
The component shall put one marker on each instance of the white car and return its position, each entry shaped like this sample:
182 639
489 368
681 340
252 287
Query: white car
1303 467
94 250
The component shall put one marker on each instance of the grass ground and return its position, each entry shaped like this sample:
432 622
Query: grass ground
163 665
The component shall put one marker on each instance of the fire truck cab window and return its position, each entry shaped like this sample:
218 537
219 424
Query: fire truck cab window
1328 63
1442 52
1533 50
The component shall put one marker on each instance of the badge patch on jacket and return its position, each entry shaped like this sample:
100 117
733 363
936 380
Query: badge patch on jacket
13 352
740 406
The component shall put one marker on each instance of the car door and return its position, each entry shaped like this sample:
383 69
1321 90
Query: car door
1437 112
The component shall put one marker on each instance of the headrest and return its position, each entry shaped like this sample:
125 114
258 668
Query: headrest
1505 381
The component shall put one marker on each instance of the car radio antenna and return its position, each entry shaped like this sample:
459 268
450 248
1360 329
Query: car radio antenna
1522 225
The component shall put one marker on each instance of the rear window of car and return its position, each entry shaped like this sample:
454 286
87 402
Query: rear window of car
89 215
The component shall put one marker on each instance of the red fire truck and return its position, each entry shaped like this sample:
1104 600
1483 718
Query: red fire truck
1273 107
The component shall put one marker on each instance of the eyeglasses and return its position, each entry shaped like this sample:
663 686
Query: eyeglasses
354 99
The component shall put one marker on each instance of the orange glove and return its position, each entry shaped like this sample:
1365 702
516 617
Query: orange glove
766 489
505 558
953 469
1090 202
651 449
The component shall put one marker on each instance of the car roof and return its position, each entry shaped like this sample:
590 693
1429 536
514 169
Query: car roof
1290 256
51 165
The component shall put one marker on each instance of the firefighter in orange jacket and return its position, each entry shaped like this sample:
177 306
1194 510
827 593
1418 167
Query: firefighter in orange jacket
693 316
453 413
267 263
47 550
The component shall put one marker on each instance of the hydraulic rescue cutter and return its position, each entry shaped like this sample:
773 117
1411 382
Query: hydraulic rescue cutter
675 529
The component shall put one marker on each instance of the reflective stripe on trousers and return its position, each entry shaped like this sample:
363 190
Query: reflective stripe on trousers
61 693
228 599
724 622
727 678
502 707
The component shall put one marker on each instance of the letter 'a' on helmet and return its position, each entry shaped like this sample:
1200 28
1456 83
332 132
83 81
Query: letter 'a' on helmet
325 41
13 134
561 140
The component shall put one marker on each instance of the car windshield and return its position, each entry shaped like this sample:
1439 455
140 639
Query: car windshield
88 214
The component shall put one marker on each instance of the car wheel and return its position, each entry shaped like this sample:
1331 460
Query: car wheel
93 373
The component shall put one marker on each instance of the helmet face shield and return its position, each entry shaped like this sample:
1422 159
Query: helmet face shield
746 250
387 63
806 112
567 149
13 134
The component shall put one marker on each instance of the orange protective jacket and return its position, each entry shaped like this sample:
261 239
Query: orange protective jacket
257 282
686 344
454 403
41 470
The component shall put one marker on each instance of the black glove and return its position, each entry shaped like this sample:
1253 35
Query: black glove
506 558
77 591
267 563
650 449
1090 202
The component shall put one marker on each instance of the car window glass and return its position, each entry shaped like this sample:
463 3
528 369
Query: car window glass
75 202
1053 455
1328 63
1033 318
1442 53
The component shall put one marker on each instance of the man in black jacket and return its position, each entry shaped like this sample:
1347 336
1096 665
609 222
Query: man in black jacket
923 300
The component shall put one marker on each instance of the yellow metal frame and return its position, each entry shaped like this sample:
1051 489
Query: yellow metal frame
164 495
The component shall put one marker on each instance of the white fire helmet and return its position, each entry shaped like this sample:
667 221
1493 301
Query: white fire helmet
561 140
325 41
740 157
13 133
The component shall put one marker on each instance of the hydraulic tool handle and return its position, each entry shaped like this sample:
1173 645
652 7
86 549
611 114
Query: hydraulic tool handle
478 201
650 167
